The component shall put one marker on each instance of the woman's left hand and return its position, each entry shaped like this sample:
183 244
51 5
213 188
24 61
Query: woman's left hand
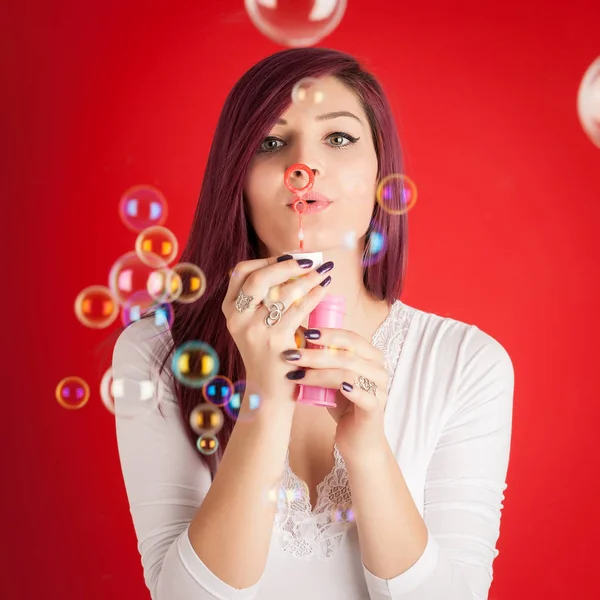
344 357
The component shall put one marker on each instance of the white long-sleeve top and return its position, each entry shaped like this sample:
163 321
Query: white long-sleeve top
448 421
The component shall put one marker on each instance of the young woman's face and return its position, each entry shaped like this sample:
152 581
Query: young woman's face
340 151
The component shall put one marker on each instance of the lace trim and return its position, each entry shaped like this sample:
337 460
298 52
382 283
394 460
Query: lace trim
307 534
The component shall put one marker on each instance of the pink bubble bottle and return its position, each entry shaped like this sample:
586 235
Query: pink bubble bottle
328 313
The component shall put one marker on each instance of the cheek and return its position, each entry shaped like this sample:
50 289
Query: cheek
357 177
261 184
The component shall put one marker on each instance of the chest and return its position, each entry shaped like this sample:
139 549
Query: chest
311 450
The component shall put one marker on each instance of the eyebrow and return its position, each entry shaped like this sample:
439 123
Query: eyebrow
326 116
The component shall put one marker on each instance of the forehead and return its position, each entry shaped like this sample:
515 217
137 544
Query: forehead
335 96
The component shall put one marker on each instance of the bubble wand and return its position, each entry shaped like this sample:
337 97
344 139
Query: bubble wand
299 204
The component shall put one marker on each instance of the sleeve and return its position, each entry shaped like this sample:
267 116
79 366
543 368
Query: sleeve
164 478
464 484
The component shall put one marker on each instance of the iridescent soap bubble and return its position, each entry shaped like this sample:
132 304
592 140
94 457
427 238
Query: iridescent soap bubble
72 392
127 398
141 303
207 444
164 285
218 390
130 275
96 307
233 407
396 194
375 248
342 513
206 418
156 241
194 363
308 93
293 23
588 102
193 282
142 206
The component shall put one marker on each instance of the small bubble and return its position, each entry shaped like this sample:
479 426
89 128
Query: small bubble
72 392
156 241
207 444
193 282
206 418
218 390
396 194
142 206
96 307
194 363
308 93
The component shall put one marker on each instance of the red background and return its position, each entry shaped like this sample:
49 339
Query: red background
100 96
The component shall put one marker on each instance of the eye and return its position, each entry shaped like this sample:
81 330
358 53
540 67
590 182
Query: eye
270 144
341 140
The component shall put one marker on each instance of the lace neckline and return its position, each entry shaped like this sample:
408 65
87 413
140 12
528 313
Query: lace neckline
304 532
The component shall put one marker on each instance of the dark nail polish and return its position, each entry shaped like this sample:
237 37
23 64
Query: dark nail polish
299 374
305 263
312 334
291 355
284 257
326 281
347 387
325 267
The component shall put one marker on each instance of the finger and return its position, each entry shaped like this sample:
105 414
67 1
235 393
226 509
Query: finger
260 282
360 398
299 310
344 339
334 359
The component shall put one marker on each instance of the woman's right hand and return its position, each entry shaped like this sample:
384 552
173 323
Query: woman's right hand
260 346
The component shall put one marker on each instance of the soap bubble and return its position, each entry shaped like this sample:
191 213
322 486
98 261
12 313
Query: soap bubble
130 275
142 206
396 194
142 303
308 93
194 363
72 392
193 282
233 407
164 285
207 444
588 102
156 241
343 514
293 23
127 398
96 307
375 248
206 418
218 390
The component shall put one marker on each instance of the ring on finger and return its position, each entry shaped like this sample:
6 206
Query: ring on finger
276 310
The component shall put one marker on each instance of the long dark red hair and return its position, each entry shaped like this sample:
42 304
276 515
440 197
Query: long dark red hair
222 234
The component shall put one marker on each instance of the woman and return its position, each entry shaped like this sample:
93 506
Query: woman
394 493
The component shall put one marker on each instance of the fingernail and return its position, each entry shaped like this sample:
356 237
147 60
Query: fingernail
326 281
325 267
347 387
312 334
305 263
291 354
284 257
299 374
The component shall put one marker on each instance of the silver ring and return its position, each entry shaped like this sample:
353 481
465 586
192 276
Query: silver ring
242 302
366 384
275 312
